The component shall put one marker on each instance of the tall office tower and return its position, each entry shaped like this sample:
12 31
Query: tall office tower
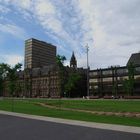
39 53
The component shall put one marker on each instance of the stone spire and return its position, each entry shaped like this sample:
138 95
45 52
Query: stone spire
73 61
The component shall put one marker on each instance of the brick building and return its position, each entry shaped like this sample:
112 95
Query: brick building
42 76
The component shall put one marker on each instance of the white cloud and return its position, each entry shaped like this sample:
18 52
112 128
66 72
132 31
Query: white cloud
25 4
11 59
22 6
114 28
50 17
4 9
13 30
44 8
111 28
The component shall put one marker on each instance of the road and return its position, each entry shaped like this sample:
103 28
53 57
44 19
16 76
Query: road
16 128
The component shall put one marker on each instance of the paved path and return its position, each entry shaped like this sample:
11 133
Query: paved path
17 128
122 128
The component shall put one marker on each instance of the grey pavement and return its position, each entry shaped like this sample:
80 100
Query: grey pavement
122 128
21 128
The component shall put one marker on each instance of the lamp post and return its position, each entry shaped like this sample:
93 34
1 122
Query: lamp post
87 50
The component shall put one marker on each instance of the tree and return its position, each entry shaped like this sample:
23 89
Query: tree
12 80
114 88
28 82
18 90
131 72
13 77
114 81
128 84
71 83
3 74
60 62
1 86
10 74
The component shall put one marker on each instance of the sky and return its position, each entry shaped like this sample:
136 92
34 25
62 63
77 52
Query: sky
111 28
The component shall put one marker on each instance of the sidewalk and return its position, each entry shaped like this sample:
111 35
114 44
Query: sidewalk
130 129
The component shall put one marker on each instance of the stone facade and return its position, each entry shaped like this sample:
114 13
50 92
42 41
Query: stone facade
73 61
45 82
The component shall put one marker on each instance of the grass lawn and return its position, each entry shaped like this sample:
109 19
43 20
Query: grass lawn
98 105
30 107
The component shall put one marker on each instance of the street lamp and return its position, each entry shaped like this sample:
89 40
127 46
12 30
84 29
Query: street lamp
87 50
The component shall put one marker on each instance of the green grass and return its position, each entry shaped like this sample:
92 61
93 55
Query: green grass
98 105
30 107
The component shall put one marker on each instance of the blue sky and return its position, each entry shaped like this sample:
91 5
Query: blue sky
110 28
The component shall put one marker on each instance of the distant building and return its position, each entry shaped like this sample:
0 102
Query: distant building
110 81
42 77
39 53
135 59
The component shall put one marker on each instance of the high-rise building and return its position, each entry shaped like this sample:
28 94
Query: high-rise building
39 53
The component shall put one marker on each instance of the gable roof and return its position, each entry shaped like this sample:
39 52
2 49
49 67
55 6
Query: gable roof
135 59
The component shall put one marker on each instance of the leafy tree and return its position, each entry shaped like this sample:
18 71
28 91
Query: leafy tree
18 90
3 74
71 83
10 74
28 82
131 72
1 86
128 84
60 62
114 89
13 77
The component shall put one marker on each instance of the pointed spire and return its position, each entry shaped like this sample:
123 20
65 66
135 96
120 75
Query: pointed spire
73 61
